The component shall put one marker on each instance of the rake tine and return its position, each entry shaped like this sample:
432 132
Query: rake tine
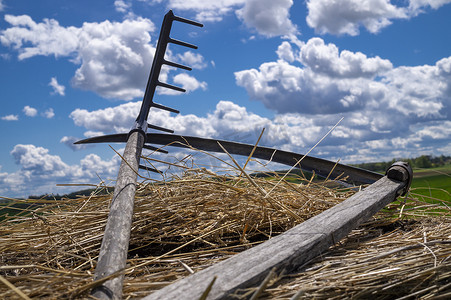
160 128
176 65
172 87
164 107
142 167
148 147
180 19
177 42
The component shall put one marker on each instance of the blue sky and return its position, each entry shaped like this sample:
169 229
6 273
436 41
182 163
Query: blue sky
76 69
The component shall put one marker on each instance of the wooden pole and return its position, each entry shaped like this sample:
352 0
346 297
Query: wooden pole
290 250
113 252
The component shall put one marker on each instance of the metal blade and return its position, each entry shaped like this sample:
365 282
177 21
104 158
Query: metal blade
321 167
112 138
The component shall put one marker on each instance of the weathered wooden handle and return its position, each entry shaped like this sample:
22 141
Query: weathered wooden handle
114 249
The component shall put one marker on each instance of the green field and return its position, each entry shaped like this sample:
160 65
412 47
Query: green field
434 183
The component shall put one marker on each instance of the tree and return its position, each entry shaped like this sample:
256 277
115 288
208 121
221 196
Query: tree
424 161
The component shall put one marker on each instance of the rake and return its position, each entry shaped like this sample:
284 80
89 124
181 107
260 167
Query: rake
114 248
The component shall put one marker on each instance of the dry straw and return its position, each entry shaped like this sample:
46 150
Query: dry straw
198 218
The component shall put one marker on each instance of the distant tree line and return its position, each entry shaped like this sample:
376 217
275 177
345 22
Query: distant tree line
421 162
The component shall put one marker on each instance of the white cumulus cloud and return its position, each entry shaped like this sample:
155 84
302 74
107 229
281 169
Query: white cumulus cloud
122 6
417 91
193 60
49 113
40 171
46 38
114 58
189 83
416 6
92 163
371 134
347 16
30 111
227 121
268 17
381 104
206 11
112 119
57 88
285 52
329 81
328 60
38 160
10 118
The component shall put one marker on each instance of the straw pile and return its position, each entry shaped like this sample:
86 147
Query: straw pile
180 226
193 221
408 259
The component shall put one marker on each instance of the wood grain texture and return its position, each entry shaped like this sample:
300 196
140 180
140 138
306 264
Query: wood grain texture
113 252
287 251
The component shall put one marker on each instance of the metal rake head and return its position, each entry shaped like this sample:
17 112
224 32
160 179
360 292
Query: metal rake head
153 81
158 61
141 124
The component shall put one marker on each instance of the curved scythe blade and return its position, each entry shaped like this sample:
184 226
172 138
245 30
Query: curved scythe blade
321 167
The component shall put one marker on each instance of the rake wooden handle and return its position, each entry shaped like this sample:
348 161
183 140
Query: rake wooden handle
114 249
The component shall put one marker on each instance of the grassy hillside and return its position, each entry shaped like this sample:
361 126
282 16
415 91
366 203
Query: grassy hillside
432 176
434 183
